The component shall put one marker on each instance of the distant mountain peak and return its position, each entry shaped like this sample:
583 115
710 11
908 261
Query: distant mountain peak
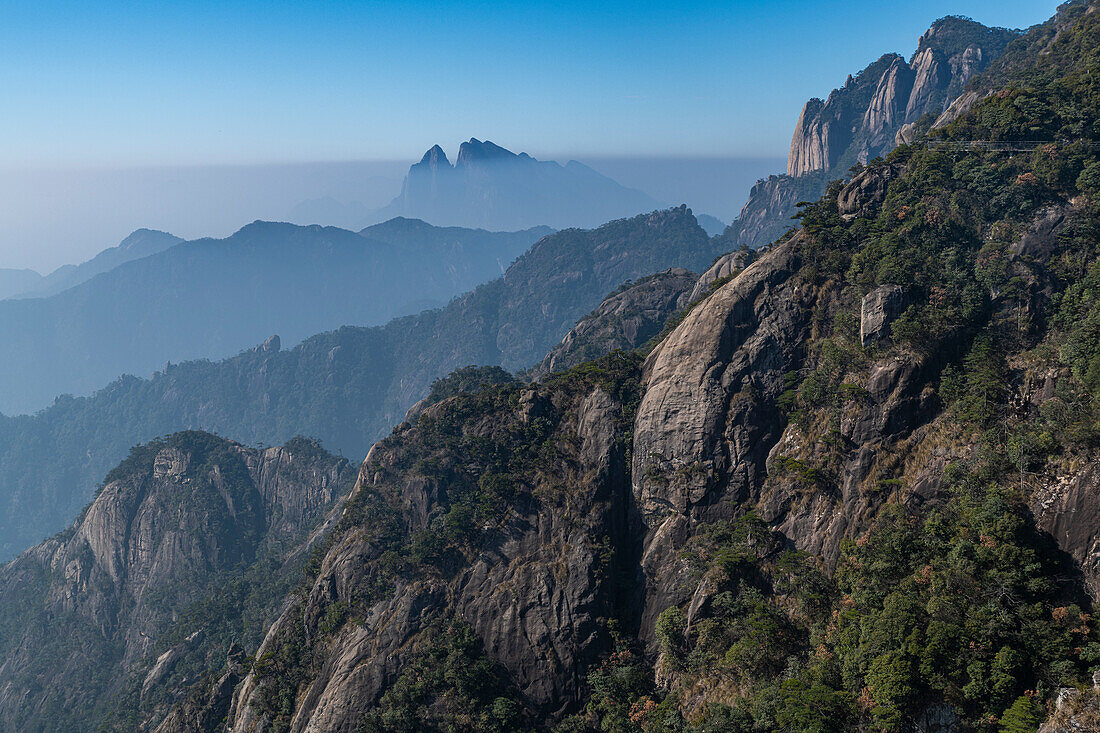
435 158
475 151
491 187
142 236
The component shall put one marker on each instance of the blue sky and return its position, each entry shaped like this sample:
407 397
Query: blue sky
152 84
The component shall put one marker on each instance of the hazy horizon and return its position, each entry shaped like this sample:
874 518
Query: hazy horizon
197 119
58 217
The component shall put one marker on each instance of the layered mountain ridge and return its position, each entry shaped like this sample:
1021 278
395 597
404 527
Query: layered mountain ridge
869 449
128 320
347 387
849 485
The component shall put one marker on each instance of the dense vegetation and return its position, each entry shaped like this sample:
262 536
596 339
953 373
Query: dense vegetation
943 604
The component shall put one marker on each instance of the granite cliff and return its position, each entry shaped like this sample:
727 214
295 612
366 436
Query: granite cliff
889 102
124 600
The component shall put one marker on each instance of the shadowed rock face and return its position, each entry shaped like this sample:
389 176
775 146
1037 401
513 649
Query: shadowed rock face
625 320
862 195
877 311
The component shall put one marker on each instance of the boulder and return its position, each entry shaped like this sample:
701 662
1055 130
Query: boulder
866 192
878 310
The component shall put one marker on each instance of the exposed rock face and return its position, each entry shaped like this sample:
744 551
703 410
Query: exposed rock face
810 149
931 77
863 119
532 593
625 320
863 194
724 268
1041 238
767 214
960 106
886 109
1069 509
877 311
169 521
707 420
872 113
206 708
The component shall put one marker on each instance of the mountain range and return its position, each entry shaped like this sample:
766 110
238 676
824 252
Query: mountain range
346 387
141 243
846 481
267 278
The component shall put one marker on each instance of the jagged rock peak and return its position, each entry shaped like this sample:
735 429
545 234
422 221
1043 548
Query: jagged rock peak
810 144
475 151
888 104
435 158
861 120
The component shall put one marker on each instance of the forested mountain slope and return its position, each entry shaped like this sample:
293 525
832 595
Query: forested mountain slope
854 488
345 387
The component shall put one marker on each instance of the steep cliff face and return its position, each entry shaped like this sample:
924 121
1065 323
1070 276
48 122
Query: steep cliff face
86 610
860 121
882 106
507 511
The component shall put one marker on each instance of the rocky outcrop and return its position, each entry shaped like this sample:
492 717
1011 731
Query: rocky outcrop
1041 238
887 108
1068 508
931 76
625 320
862 196
877 311
532 593
883 106
708 420
864 118
960 106
810 148
724 268
170 521
766 216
